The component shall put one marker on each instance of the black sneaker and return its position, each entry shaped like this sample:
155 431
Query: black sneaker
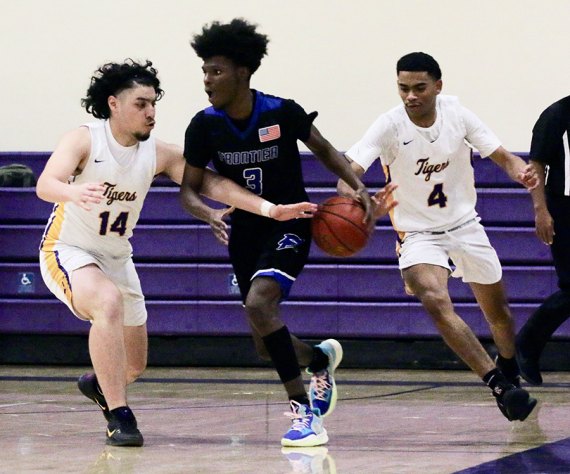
513 376
87 384
528 363
124 431
514 403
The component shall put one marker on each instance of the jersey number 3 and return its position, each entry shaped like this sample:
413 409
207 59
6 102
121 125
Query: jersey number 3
253 180
119 225
437 196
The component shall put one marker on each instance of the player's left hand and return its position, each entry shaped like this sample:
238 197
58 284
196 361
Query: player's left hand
384 200
300 210
528 177
218 226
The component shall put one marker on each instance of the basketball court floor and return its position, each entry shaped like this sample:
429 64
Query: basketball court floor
231 421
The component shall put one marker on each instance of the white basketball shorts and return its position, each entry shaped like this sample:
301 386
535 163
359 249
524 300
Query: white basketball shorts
57 267
468 247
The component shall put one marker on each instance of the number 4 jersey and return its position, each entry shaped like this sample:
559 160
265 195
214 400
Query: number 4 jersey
431 166
104 231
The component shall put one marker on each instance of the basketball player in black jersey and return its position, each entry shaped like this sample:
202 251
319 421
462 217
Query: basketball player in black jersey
251 138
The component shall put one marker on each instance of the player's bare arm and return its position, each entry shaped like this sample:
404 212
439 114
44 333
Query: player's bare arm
171 163
224 190
544 223
191 200
68 159
517 169
342 188
339 165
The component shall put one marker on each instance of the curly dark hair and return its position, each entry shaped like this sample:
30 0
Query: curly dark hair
112 78
419 62
236 40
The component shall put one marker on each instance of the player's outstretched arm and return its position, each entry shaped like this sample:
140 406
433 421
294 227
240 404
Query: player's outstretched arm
338 164
224 190
517 169
342 188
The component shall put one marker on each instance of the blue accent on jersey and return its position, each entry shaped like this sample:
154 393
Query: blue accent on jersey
262 103
267 102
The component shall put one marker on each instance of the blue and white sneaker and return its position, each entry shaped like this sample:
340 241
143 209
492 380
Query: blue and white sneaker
322 391
307 429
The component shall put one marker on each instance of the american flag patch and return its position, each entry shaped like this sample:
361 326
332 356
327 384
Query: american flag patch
269 133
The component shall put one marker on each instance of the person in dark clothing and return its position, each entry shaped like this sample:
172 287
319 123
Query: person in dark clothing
550 155
251 137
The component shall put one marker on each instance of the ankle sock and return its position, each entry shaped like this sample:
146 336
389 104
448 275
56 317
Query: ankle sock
124 415
320 360
302 399
508 367
497 382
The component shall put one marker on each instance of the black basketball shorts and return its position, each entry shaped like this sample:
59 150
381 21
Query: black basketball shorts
265 247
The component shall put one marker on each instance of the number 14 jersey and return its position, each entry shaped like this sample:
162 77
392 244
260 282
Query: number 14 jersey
104 231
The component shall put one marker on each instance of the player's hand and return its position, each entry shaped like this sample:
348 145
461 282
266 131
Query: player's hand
85 194
300 210
384 200
362 195
217 224
544 227
528 177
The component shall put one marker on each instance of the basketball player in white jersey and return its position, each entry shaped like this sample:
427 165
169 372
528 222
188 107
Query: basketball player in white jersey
424 145
98 177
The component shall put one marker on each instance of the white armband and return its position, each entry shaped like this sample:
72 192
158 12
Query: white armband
265 208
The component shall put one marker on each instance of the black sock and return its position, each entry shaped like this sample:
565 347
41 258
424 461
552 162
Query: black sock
508 367
282 352
497 382
302 399
320 360
124 415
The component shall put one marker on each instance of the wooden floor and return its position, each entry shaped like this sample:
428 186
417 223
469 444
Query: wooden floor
230 421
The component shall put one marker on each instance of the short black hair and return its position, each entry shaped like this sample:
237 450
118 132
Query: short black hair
112 78
419 62
237 41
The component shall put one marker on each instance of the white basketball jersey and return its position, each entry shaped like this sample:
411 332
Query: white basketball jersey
104 230
432 167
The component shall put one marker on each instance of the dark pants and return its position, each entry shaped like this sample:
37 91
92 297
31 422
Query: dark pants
555 310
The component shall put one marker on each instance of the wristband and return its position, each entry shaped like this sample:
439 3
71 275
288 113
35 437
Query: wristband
265 208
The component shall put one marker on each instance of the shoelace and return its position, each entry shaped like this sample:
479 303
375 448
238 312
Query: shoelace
321 385
300 420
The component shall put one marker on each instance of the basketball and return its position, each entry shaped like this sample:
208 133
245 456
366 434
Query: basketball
338 227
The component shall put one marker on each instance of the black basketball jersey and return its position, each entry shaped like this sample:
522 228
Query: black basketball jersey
262 156
551 145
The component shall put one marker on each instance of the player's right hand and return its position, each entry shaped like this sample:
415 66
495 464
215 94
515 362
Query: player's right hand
85 194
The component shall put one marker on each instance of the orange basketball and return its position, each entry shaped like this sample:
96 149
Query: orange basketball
338 227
